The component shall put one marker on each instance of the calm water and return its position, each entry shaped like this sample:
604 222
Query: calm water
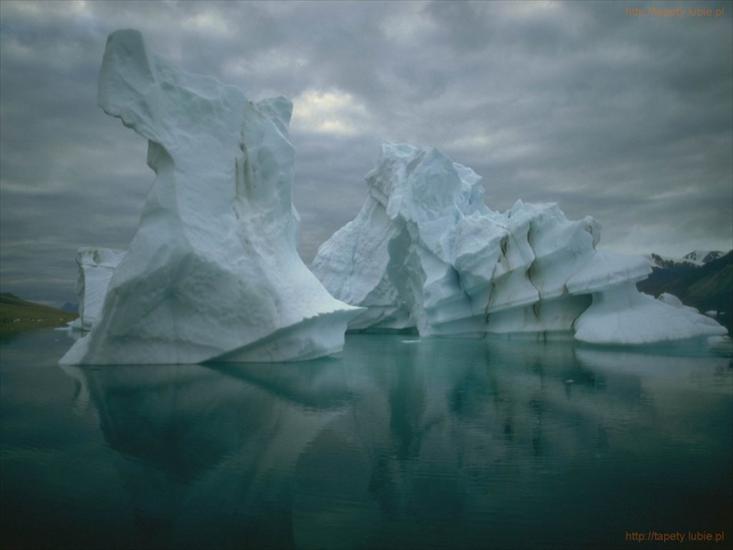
396 444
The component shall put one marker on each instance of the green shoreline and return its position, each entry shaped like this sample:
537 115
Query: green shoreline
18 315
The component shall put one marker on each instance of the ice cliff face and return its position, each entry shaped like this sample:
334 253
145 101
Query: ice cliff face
212 272
426 252
96 266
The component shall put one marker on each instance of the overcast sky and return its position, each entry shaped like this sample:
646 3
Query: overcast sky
626 118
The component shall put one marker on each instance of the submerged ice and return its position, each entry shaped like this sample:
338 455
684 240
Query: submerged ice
426 252
212 272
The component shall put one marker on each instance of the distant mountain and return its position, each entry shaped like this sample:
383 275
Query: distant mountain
702 279
68 307
694 258
18 315
703 257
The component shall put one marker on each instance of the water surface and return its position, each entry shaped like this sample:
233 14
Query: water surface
397 443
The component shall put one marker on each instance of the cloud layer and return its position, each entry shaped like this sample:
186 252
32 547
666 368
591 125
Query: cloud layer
627 118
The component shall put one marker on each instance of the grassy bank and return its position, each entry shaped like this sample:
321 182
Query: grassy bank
17 315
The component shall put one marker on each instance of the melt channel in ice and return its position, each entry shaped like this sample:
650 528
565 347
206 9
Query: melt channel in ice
212 272
426 252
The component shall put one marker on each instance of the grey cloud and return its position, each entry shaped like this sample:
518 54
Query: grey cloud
627 119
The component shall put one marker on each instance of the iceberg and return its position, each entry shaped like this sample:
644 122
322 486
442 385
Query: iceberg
96 266
426 253
212 272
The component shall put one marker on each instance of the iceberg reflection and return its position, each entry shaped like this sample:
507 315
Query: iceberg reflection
394 442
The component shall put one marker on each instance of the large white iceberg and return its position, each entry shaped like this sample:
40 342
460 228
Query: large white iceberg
426 252
212 272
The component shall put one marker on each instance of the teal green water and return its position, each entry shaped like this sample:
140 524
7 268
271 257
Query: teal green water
397 443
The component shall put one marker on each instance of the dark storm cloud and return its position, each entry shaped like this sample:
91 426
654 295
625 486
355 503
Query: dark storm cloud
628 119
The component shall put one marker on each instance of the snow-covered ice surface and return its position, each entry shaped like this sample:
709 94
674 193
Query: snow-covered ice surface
426 252
622 314
212 272
96 266
702 257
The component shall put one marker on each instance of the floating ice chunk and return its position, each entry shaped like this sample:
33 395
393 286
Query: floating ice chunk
212 272
96 266
426 252
622 314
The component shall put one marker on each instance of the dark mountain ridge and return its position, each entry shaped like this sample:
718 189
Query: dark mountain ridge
708 287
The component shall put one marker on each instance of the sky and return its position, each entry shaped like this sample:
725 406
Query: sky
624 116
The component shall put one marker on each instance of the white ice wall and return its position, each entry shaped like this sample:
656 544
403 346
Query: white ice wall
426 252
